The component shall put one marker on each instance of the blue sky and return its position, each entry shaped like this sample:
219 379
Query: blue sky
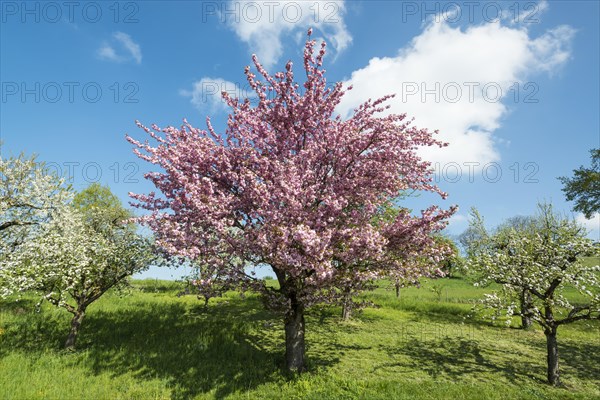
512 86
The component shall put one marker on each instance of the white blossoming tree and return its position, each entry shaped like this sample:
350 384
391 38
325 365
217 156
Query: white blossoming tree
476 239
29 194
541 262
77 256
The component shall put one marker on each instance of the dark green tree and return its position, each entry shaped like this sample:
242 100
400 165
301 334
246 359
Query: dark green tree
584 187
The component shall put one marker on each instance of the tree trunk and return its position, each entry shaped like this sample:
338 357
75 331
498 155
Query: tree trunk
75 325
525 321
397 290
346 311
526 309
294 338
347 306
552 347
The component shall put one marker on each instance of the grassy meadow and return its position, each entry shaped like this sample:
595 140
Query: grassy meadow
152 344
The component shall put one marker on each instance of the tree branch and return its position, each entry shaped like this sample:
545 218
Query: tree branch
8 224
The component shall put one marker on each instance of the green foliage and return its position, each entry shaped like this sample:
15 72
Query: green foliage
95 197
102 209
584 187
438 289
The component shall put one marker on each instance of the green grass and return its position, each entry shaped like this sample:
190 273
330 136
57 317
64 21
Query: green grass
152 344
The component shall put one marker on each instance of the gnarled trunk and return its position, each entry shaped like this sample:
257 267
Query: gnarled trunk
526 309
397 285
552 348
294 337
78 316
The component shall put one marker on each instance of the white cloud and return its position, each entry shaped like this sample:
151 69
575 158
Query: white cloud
263 24
592 225
108 53
552 49
206 94
133 48
128 49
457 223
473 72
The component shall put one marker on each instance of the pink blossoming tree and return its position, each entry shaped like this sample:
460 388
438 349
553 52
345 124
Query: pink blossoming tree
292 186
209 282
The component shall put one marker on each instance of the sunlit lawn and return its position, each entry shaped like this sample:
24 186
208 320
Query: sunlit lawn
154 344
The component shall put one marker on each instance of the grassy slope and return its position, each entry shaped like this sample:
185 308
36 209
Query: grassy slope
153 344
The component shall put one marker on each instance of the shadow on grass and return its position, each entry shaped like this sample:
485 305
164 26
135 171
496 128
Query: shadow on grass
26 329
575 359
455 358
17 307
230 346
222 349
581 361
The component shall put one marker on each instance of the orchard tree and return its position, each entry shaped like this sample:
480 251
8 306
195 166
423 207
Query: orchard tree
469 238
584 187
414 270
453 261
29 194
78 255
208 282
427 264
292 186
406 271
525 224
476 239
352 282
541 261
355 279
